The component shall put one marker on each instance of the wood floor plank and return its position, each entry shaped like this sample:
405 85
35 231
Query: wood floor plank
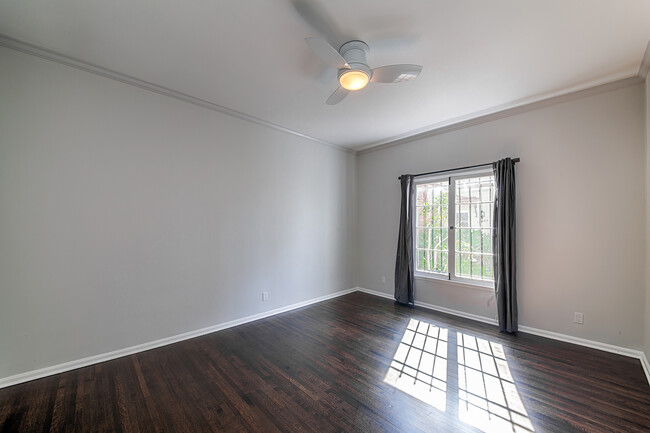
327 368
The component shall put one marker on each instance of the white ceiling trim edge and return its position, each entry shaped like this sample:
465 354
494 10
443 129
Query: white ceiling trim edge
46 54
645 63
629 78
509 109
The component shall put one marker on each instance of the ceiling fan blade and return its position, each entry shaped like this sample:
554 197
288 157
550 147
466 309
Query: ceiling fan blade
395 73
326 52
318 18
338 95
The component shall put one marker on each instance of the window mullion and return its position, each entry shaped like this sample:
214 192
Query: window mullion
440 231
451 225
480 223
470 220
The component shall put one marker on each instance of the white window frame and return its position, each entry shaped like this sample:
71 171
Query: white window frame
451 177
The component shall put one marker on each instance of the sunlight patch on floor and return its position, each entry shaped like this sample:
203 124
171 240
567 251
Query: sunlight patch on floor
487 396
419 367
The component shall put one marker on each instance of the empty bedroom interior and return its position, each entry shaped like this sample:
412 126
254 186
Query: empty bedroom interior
136 217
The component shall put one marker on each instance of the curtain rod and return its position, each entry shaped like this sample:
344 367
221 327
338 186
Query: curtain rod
515 160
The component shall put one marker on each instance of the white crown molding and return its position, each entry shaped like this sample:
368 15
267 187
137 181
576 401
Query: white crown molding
627 79
645 63
102 357
53 56
505 110
637 354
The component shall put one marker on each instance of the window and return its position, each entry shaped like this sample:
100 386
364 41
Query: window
454 220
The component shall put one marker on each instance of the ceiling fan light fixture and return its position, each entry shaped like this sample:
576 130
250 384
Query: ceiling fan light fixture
353 79
353 70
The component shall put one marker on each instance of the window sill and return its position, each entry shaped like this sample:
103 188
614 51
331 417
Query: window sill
467 284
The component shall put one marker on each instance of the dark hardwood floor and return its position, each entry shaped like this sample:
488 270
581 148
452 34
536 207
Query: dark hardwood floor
354 363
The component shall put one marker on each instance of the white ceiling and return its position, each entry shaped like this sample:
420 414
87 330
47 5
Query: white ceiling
250 55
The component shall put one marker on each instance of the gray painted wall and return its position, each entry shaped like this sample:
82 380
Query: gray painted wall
580 213
127 216
646 347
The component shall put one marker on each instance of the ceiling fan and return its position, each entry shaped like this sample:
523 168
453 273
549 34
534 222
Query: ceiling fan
353 70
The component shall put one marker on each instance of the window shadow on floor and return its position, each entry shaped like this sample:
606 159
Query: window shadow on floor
487 395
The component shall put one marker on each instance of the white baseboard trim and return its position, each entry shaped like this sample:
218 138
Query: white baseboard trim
375 293
637 354
474 317
646 366
102 357
84 362
583 342
470 316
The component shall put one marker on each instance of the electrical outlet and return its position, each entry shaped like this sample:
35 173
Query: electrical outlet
383 280
265 296
578 318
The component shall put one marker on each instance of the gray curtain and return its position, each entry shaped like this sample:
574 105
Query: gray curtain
404 282
504 243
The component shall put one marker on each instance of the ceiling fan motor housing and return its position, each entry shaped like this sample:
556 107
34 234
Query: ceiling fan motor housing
354 53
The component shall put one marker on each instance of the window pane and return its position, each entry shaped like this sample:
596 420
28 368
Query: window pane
476 265
441 263
486 192
488 267
421 194
473 219
462 193
463 239
422 237
463 264
424 261
432 261
486 214
471 215
426 258
444 212
424 216
476 239
420 261
475 215
420 219
466 264
487 240
436 239
432 230
462 215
